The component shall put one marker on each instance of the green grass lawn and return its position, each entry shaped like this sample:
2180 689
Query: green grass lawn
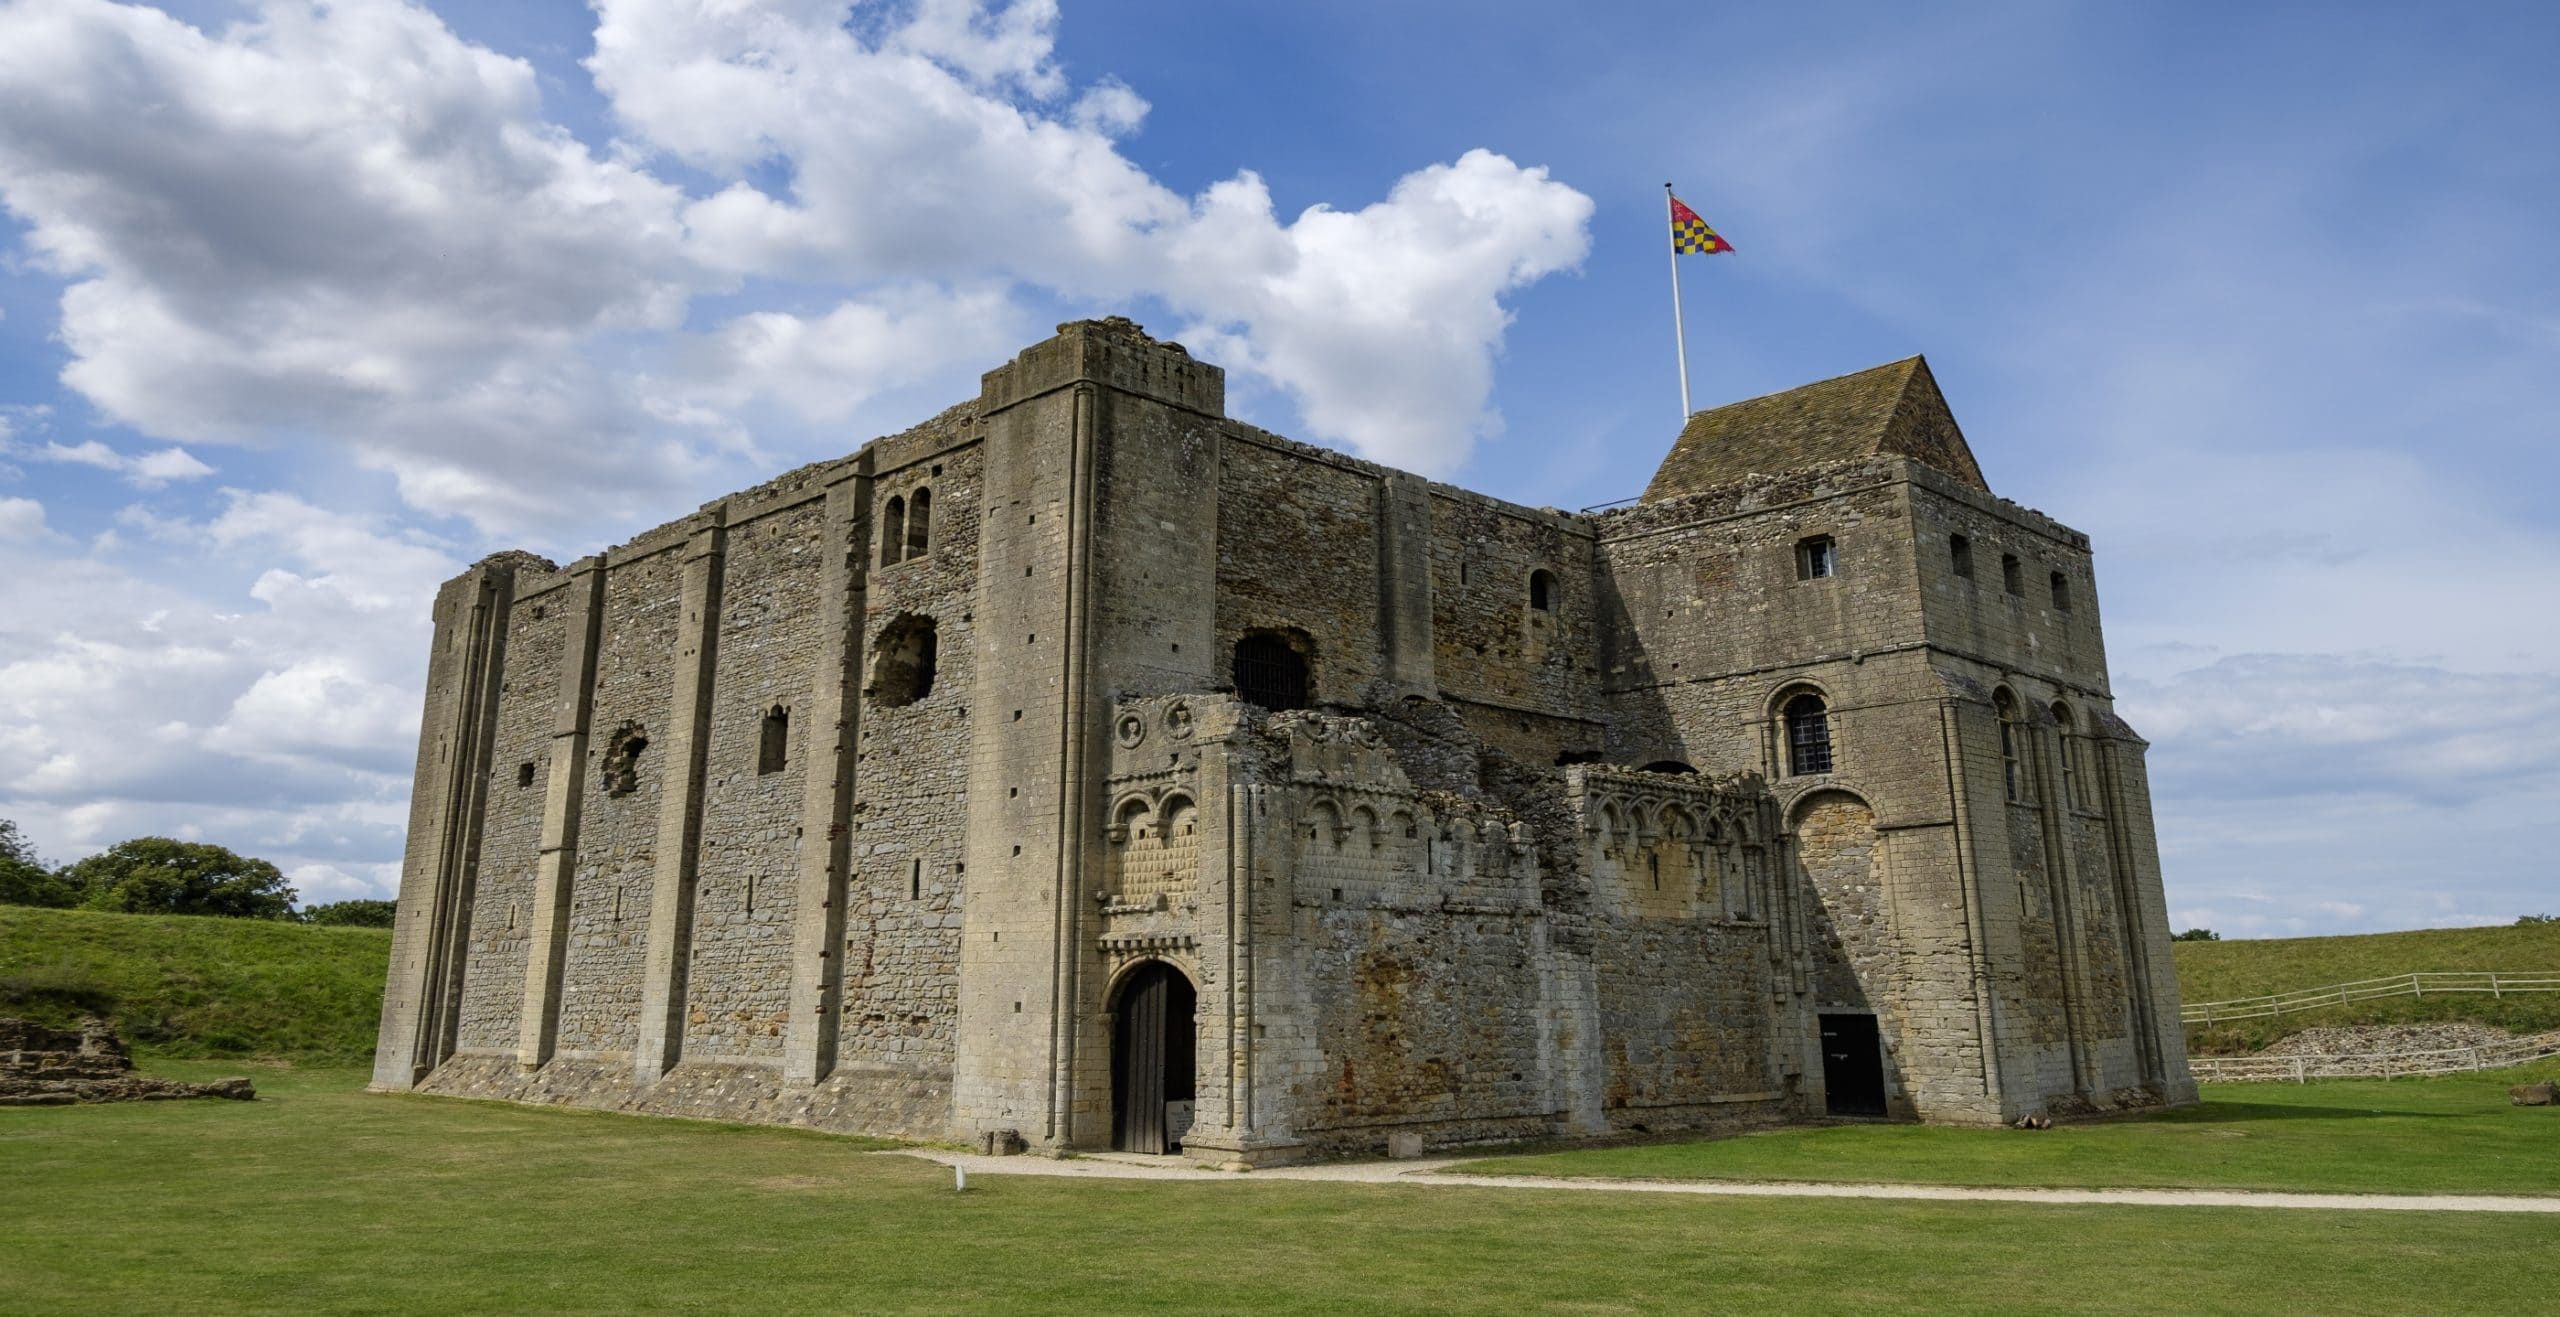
2455 1134
188 986
2223 971
321 1197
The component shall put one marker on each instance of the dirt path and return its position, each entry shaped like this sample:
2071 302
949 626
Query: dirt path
1434 1174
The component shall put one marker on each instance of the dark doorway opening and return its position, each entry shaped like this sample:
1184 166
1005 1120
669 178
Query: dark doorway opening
1853 1065
1154 1053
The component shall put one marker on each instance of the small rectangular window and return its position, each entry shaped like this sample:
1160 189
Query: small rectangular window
1960 556
1816 558
2011 578
2061 593
773 744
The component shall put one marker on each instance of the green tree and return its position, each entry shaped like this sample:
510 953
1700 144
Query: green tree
2196 935
352 914
163 876
23 878
2536 921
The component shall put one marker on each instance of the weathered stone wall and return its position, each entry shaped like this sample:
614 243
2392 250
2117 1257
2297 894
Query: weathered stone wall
737 971
1521 674
1298 552
912 803
511 834
617 853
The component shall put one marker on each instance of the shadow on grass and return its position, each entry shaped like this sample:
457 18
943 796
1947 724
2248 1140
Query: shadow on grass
2224 1113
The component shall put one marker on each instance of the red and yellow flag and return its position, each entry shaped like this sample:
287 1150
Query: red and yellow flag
1691 234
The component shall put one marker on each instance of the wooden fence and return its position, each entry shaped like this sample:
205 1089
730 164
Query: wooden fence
2493 982
2376 1065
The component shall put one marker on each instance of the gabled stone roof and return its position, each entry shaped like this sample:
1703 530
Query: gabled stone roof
1894 408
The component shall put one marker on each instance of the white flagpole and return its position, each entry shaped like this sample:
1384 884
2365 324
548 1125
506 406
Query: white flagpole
1679 332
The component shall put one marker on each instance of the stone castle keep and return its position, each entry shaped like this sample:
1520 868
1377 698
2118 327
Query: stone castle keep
1084 769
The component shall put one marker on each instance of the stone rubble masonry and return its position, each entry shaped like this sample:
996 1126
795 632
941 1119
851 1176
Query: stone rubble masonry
693 833
46 1067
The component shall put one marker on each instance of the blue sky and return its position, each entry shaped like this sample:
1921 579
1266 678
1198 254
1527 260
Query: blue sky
303 308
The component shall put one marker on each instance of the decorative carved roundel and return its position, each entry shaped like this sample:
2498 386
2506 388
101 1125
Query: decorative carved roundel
1131 729
1177 721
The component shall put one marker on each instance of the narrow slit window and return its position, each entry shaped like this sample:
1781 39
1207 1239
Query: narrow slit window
2069 757
1960 556
2013 771
1808 736
2061 593
773 746
2012 579
1542 591
1817 558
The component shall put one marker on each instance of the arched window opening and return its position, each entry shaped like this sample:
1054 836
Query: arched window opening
773 744
2061 593
2013 774
1808 736
919 523
2011 578
893 530
1669 766
1271 671
1960 556
903 661
1542 590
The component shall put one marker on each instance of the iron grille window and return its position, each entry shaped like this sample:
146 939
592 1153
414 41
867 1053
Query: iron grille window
1817 558
1271 672
1808 736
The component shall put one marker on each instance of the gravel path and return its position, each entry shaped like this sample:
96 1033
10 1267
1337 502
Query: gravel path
1434 1174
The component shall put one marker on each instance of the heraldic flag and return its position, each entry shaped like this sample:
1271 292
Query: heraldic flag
1691 234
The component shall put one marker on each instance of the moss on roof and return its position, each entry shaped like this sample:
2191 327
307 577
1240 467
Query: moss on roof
1894 408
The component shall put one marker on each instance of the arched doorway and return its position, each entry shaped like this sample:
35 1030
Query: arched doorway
1154 1054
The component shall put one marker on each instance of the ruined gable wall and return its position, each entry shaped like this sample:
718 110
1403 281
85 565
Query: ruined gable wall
1695 1024
511 831
1406 992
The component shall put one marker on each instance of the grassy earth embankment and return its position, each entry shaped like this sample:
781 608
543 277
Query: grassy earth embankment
2222 971
186 986
202 987
319 1197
